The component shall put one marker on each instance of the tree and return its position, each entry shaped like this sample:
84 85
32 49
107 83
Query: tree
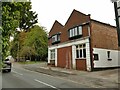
37 39
17 43
28 18
27 51
14 15
32 44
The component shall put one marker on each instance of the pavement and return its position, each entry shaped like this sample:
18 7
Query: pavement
96 79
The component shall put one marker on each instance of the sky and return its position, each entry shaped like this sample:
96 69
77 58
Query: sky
50 10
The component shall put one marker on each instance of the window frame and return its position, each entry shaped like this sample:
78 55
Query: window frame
80 49
52 54
80 30
109 56
55 38
97 57
75 31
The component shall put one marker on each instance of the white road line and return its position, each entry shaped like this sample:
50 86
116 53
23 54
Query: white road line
54 76
16 72
47 84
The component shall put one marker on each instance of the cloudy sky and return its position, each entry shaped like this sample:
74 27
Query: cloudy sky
50 10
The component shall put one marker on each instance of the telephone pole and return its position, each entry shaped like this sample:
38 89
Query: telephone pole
117 16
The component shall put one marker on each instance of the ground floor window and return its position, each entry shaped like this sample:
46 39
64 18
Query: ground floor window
52 54
81 51
96 57
108 54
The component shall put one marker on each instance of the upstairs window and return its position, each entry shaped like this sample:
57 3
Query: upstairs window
56 38
76 31
80 30
81 51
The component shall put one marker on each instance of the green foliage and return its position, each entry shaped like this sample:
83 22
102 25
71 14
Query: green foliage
28 17
31 43
27 51
14 15
37 40
17 43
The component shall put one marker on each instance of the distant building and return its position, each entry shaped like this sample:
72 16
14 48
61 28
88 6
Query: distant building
83 43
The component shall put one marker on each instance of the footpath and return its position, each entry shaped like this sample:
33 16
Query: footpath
96 79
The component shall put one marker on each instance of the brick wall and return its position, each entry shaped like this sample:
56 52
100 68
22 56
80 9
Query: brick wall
103 36
76 18
81 64
57 27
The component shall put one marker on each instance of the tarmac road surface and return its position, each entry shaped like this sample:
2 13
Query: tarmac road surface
22 78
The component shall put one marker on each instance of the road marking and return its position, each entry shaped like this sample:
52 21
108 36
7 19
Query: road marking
54 76
47 84
16 72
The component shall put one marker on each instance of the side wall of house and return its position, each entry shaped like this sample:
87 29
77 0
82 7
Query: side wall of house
104 41
104 36
103 60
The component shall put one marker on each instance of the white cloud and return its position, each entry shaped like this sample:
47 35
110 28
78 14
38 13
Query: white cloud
51 10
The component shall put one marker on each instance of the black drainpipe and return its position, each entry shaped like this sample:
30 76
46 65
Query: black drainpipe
117 21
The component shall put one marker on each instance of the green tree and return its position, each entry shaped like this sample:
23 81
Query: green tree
14 15
37 40
17 43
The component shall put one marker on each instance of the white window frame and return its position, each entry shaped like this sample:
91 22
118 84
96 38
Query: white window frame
70 32
80 48
52 54
75 31
80 30
55 38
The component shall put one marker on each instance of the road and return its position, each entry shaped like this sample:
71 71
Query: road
22 78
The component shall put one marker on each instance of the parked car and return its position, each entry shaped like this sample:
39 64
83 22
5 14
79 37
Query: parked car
7 65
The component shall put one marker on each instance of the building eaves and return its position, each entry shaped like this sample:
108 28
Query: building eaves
103 23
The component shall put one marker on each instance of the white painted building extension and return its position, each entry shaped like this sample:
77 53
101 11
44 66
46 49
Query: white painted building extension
103 60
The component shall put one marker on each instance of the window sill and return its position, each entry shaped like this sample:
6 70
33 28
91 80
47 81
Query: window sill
80 58
55 42
109 59
96 60
75 37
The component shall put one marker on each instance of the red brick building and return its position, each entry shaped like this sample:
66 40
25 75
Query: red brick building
83 43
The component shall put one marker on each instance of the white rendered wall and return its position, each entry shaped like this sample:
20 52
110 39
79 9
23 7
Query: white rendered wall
48 55
73 56
55 57
88 61
103 58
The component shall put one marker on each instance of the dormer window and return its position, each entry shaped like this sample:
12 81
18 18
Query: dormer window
76 31
79 30
56 38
